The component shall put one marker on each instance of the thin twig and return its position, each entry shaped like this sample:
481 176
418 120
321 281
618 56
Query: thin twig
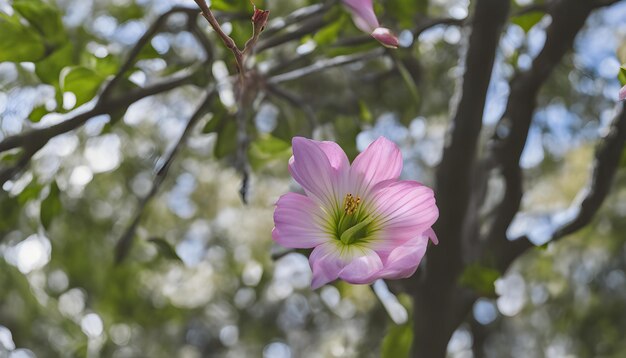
568 18
459 156
307 27
296 17
36 139
125 242
295 101
45 134
10 172
156 27
228 41
241 155
325 64
589 199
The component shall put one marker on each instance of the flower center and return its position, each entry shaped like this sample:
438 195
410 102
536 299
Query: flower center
352 225
350 204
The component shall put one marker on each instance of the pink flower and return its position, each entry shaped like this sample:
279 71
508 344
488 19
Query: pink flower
361 221
365 19
622 93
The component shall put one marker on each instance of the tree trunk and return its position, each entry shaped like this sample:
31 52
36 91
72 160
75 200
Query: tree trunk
438 309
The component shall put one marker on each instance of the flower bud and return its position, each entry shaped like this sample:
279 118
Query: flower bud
365 19
259 20
385 37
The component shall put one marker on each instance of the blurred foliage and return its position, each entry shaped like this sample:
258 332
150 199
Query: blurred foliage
480 279
200 280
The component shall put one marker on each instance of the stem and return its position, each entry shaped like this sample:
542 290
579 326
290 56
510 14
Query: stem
246 89
228 41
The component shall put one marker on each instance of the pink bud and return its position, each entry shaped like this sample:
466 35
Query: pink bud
622 93
365 19
362 14
259 19
385 37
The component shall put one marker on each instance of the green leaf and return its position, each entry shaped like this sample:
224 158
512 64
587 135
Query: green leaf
107 65
408 80
51 206
236 5
397 342
366 115
405 10
217 120
528 20
19 43
49 68
122 87
480 278
10 209
125 12
9 158
37 113
329 33
622 75
43 17
266 149
226 139
165 249
148 52
29 193
81 81
347 128
399 338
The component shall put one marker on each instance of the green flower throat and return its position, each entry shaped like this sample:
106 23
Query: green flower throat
353 224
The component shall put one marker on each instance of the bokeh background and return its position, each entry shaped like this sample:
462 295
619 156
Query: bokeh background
203 277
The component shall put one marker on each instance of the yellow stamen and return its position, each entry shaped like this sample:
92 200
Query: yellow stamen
351 204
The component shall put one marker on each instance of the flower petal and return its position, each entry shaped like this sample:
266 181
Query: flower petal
404 260
362 14
339 161
319 168
326 264
622 93
385 37
336 156
363 268
380 161
405 209
297 221
353 264
433 237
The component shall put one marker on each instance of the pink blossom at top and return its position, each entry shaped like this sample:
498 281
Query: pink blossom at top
365 19
622 93
361 221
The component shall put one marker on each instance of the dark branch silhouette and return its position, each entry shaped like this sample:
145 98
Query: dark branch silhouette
590 198
124 244
434 305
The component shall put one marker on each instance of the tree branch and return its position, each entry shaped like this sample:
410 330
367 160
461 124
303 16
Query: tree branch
294 101
125 242
298 16
606 164
437 293
228 41
457 164
35 139
307 27
589 200
156 27
568 17
324 64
